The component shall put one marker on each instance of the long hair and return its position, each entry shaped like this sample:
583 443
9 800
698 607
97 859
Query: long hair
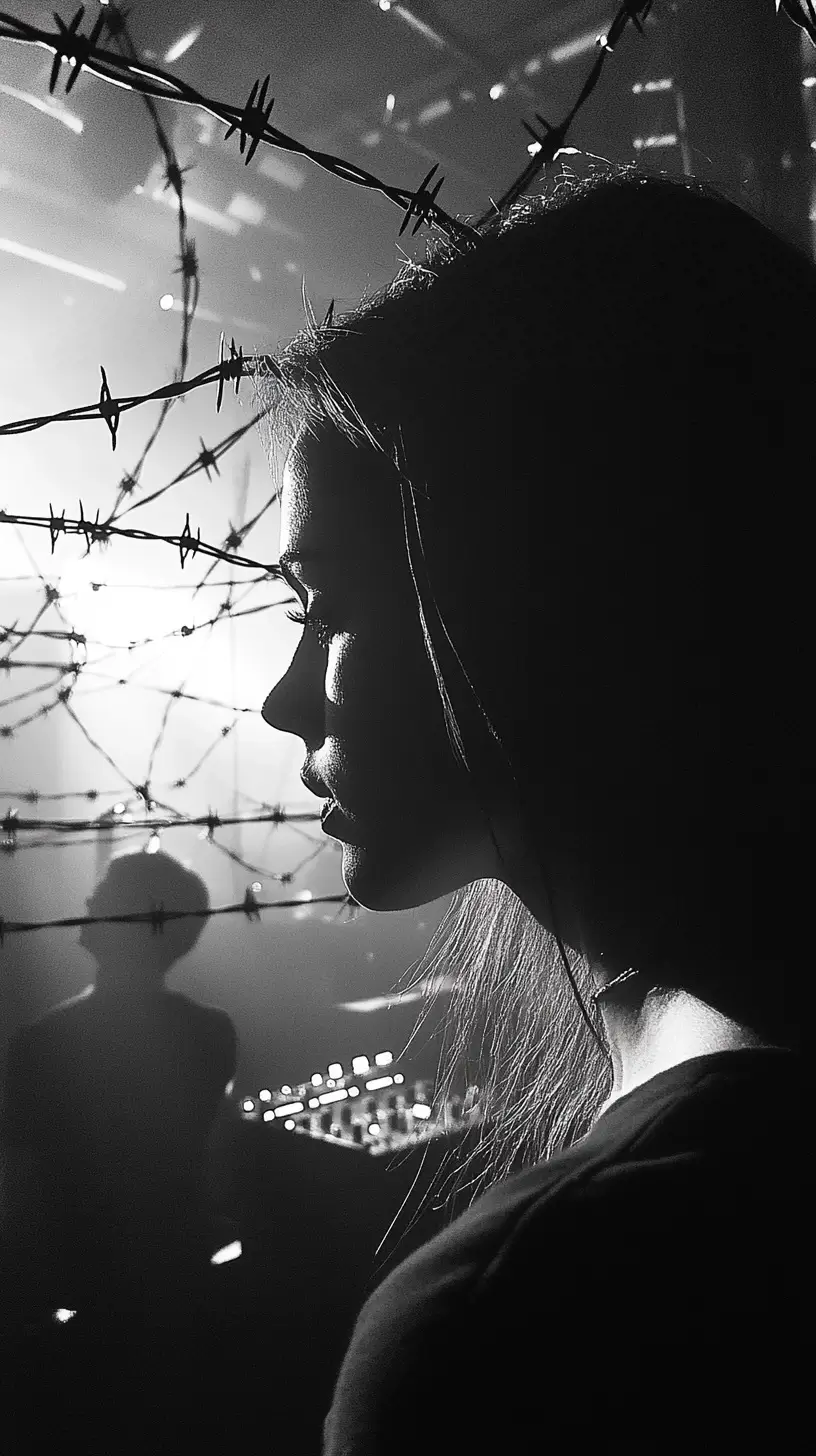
626 360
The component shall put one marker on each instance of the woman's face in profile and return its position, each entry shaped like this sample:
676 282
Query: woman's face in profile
360 690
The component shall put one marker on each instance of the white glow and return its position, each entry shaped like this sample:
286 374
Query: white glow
335 1070
288 1109
179 48
269 1117
265 1095
166 301
317 1079
339 1096
246 209
256 887
313 1102
119 808
229 1252
153 844
576 47
534 148
384 1059
360 1065
286 1090
58 112
256 275
377 1082
420 26
197 210
533 66
290 1124
497 91
434 111
248 1105
421 1110
399 1077
371 138
374 1129
390 102
61 265
280 169
63 1315
353 1091
384 4
304 895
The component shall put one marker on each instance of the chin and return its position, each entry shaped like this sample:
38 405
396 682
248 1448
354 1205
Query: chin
380 883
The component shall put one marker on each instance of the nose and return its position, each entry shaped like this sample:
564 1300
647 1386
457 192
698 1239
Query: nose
296 703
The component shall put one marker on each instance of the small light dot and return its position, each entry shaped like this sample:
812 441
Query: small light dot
255 274
166 301
497 91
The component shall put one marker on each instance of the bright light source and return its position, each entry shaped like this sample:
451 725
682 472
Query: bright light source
374 1129
533 66
399 1077
255 274
269 1116
421 1110
317 1080
354 1091
229 1252
335 1070
265 1095
63 1315
390 102
304 895
119 808
290 1123
377 1082
360 1065
497 91
178 49
166 301
61 265
286 1090
246 209
384 1059
314 1102
248 1105
534 148
384 4
434 111
467 95
256 887
577 47
288 1109
153 844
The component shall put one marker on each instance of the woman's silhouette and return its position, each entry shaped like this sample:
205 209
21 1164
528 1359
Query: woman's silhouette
543 503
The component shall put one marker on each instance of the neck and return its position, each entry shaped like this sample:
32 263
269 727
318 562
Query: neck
650 1034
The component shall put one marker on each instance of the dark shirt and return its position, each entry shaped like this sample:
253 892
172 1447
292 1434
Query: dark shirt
118 1100
643 1287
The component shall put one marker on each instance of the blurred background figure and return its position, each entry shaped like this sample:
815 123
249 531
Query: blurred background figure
110 1103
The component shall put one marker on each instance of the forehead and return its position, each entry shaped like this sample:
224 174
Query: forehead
338 499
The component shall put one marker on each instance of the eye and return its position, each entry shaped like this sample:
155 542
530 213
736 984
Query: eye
320 629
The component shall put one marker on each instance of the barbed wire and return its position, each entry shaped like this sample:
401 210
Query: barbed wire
251 122
158 917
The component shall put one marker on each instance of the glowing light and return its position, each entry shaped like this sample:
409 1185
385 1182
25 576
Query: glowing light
255 274
256 887
286 1090
265 1095
57 111
576 47
229 1252
246 209
534 148
374 1129
390 103
248 1105
317 1080
497 91
384 4
809 81
420 26
179 48
289 1108
269 1117
339 1096
335 1070
313 1102
421 1111
290 1124
360 1065
371 138
63 1315
467 95
61 265
304 895
533 66
197 210
384 1059
166 301
378 1082
153 843
434 111
119 808
399 1077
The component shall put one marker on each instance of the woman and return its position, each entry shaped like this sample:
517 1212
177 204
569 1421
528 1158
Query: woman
543 504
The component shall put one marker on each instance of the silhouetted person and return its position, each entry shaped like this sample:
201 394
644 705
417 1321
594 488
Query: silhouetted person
110 1098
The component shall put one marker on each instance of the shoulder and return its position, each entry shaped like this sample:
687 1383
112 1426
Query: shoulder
212 1023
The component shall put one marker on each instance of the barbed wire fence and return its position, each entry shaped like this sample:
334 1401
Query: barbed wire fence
250 124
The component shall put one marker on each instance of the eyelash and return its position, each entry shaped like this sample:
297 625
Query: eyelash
319 628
